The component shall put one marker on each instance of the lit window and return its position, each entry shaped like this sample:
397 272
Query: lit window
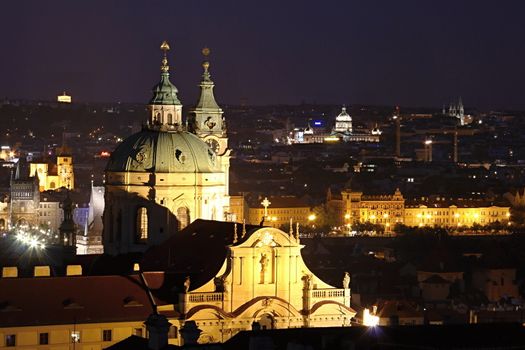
106 335
75 337
142 224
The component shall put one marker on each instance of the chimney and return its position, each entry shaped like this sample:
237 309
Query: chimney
157 326
74 270
9 272
42 271
190 333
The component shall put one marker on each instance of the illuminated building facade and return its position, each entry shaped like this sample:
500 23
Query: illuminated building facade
169 174
278 211
388 210
385 210
343 130
454 215
260 276
55 176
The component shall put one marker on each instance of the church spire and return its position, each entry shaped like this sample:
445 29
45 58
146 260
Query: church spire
165 107
206 119
207 99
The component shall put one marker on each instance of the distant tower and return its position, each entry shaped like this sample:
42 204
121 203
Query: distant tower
397 119
67 228
25 196
460 112
428 150
66 177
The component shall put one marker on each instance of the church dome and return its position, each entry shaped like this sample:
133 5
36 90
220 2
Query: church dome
163 152
343 116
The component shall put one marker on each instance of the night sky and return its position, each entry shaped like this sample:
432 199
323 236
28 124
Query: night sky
411 53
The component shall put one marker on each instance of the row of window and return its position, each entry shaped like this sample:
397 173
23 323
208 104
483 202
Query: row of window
43 338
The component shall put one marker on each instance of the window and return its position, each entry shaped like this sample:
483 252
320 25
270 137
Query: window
138 332
142 224
75 337
172 333
10 340
183 215
43 338
106 335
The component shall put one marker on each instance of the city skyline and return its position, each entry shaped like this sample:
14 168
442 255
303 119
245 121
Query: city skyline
341 53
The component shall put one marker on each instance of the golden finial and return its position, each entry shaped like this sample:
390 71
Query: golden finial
206 64
165 47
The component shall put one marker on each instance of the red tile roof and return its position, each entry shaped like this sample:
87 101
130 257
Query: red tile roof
76 299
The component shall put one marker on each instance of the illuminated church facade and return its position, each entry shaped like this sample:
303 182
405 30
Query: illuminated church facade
170 173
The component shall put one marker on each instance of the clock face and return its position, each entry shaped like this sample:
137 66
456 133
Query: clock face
213 144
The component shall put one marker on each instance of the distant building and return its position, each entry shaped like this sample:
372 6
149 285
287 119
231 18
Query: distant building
388 210
343 130
26 205
54 176
89 239
64 98
279 211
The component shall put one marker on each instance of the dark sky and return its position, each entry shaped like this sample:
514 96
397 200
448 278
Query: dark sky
411 53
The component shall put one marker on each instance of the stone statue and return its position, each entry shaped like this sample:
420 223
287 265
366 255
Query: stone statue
346 281
264 262
308 282
219 284
187 284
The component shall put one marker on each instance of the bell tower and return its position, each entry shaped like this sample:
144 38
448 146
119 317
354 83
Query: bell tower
207 120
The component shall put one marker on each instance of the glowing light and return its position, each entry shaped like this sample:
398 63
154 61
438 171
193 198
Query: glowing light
347 216
312 217
370 320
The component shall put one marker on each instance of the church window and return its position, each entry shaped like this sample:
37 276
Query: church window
170 118
183 215
107 335
142 224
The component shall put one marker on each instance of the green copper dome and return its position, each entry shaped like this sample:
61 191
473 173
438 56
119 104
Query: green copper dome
163 152
164 93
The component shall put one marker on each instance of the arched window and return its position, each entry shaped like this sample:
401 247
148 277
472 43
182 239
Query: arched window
142 224
156 120
183 215
170 119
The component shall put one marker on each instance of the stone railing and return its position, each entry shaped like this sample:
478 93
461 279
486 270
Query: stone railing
203 297
339 295
189 300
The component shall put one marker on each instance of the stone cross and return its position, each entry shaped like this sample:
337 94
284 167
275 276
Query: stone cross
265 203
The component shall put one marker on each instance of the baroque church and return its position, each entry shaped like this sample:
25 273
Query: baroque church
169 174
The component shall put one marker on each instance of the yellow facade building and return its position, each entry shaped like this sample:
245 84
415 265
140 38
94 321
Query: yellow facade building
388 210
278 210
54 176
